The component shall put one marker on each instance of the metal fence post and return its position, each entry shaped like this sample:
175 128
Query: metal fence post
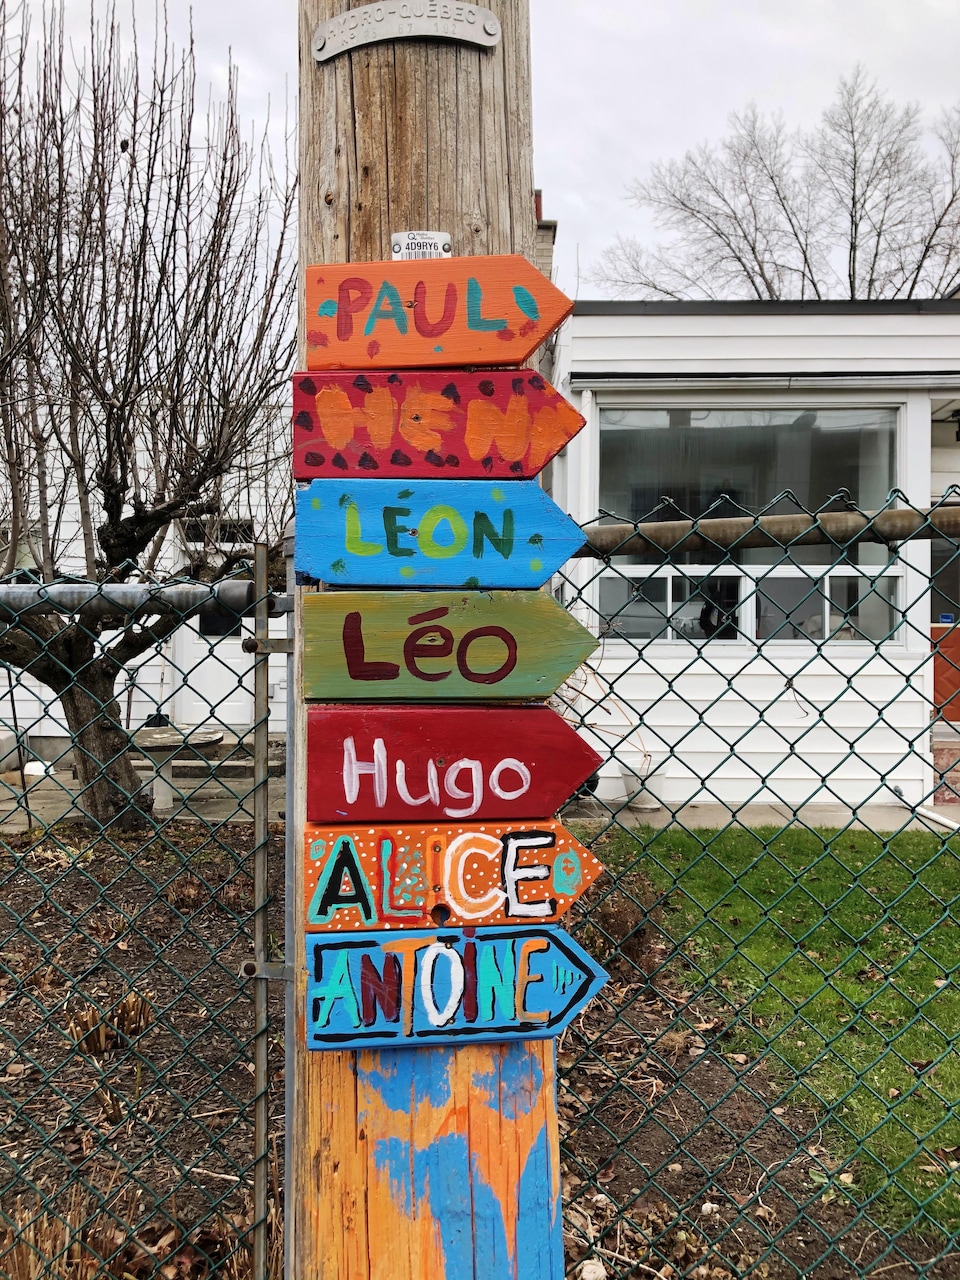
261 781
289 919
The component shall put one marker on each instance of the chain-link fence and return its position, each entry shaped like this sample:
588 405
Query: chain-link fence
141 1085
769 1084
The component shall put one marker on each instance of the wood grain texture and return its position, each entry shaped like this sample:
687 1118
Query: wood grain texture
437 1165
376 876
431 533
416 135
501 424
399 764
442 986
438 646
456 312
478 1127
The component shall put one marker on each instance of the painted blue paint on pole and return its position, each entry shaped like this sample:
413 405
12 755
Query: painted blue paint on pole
431 533
494 1199
427 987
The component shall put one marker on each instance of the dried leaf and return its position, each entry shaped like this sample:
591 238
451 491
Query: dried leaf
593 1269
714 1024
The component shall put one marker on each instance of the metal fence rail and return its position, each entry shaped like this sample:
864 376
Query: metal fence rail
769 1085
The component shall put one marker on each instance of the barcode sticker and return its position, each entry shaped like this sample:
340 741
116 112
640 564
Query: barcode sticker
411 246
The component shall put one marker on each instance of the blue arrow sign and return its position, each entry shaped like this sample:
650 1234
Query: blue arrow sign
444 986
431 533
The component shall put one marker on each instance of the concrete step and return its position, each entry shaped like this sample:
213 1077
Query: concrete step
213 768
228 761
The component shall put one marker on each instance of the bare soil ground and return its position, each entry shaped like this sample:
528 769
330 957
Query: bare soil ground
125 1071
126 1033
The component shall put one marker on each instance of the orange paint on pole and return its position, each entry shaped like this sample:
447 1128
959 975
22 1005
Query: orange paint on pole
442 1115
445 312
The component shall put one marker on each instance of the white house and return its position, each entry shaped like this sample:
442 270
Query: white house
797 678
760 677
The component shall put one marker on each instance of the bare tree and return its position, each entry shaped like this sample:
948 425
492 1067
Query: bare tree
147 308
864 206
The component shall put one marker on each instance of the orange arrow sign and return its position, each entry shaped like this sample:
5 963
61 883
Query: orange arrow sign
409 877
440 312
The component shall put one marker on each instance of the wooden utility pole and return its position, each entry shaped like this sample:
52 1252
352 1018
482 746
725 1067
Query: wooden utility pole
438 1164
416 135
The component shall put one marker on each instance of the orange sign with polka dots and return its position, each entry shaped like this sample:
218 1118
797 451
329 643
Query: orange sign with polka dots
412 877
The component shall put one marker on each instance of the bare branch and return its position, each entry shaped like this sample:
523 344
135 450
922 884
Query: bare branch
860 207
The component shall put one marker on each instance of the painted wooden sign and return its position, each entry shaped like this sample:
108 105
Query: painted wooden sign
395 764
440 986
431 533
438 646
501 424
440 312
408 877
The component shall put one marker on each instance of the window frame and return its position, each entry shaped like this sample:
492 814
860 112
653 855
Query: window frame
753 576
579 481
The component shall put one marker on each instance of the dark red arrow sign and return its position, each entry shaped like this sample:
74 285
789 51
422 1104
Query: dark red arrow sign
502 424
375 764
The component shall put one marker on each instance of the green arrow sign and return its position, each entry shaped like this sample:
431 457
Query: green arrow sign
438 646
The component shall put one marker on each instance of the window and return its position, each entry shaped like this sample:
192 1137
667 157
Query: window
686 463
670 464
945 603
218 530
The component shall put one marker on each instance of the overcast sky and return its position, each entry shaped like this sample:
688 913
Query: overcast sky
619 84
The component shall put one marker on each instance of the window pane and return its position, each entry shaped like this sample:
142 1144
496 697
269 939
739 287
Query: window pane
945 564
676 463
634 609
863 609
789 609
223 622
706 608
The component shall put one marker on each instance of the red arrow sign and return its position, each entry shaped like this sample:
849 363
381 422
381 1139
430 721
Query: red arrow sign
501 424
442 764
441 312
367 876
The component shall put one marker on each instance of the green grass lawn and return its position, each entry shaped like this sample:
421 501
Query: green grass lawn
841 953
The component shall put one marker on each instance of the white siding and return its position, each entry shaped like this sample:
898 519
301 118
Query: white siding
725 728
767 343
722 723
